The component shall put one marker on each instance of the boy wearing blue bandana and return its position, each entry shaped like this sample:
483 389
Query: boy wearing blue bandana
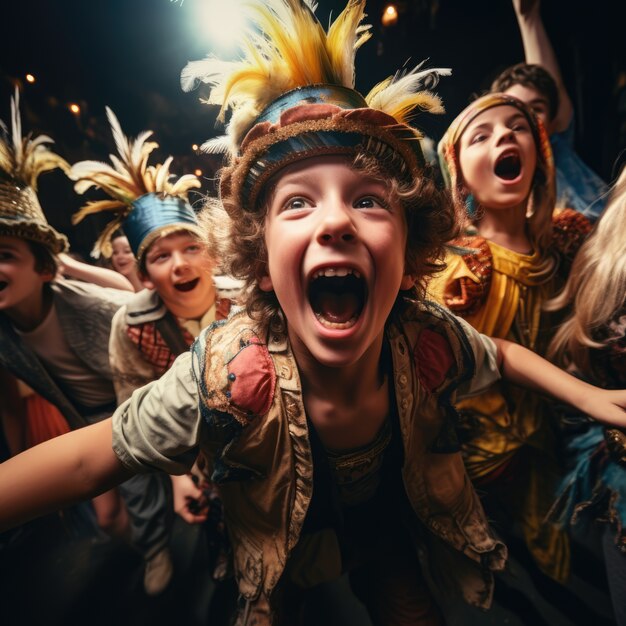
325 407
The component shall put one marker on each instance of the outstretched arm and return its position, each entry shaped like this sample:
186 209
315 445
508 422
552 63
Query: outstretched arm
92 274
61 471
538 50
527 369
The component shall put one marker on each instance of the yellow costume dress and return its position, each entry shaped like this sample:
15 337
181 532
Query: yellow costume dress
506 432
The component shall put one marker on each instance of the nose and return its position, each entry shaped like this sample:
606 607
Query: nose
179 261
336 224
505 134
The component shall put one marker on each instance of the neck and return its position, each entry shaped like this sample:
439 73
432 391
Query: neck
30 313
507 228
345 383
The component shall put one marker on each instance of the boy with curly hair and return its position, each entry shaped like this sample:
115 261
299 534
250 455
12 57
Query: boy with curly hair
325 407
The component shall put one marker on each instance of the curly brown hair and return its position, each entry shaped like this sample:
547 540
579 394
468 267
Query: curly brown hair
431 217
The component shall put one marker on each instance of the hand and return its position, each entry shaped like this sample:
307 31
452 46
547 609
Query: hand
607 406
189 501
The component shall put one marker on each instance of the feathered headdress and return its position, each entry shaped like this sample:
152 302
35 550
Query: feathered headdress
22 160
293 93
143 199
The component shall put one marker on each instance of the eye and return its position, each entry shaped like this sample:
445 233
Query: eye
520 127
477 138
159 258
296 203
194 247
370 202
6 256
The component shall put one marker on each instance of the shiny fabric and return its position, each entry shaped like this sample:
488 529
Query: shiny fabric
506 419
256 467
152 214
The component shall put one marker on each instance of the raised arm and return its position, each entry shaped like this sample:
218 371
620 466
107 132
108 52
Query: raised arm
538 50
92 274
61 471
527 369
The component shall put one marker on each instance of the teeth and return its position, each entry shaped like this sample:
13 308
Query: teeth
341 326
336 271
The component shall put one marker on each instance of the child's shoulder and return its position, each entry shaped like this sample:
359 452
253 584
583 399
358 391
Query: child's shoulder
143 307
464 284
439 343
569 230
233 366
82 295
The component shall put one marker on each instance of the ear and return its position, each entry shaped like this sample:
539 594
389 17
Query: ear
145 281
46 276
263 278
407 282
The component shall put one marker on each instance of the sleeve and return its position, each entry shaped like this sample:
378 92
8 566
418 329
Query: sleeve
486 359
464 284
159 426
128 368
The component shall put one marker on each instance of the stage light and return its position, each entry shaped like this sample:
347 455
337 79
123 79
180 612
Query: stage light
30 78
74 108
390 15
194 147
198 172
219 22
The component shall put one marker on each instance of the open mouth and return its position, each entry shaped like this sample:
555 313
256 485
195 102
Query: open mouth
508 166
3 284
188 286
337 297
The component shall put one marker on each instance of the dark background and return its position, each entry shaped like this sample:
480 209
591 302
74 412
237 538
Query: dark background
128 54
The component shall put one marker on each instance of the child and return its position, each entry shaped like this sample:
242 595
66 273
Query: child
592 343
54 334
175 264
325 406
496 159
123 260
539 84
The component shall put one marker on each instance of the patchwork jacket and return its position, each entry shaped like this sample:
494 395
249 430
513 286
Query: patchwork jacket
255 432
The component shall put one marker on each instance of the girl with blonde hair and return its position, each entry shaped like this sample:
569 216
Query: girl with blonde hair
592 344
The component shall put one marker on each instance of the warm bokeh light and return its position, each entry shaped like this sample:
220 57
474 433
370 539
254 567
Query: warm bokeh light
194 147
74 108
30 78
198 172
390 15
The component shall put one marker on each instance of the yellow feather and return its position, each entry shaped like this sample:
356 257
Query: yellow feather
96 207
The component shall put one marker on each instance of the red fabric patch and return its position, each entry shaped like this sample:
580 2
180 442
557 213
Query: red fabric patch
252 379
433 359
222 308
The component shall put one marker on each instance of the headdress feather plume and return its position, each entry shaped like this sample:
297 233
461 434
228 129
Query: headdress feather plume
25 158
129 178
286 47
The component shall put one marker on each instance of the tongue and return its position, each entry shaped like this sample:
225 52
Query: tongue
337 308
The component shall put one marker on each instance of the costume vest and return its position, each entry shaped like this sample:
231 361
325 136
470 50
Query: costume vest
85 312
257 435
156 333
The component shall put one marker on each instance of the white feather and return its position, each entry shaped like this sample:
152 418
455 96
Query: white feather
406 82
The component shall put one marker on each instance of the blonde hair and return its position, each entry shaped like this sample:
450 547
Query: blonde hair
596 286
